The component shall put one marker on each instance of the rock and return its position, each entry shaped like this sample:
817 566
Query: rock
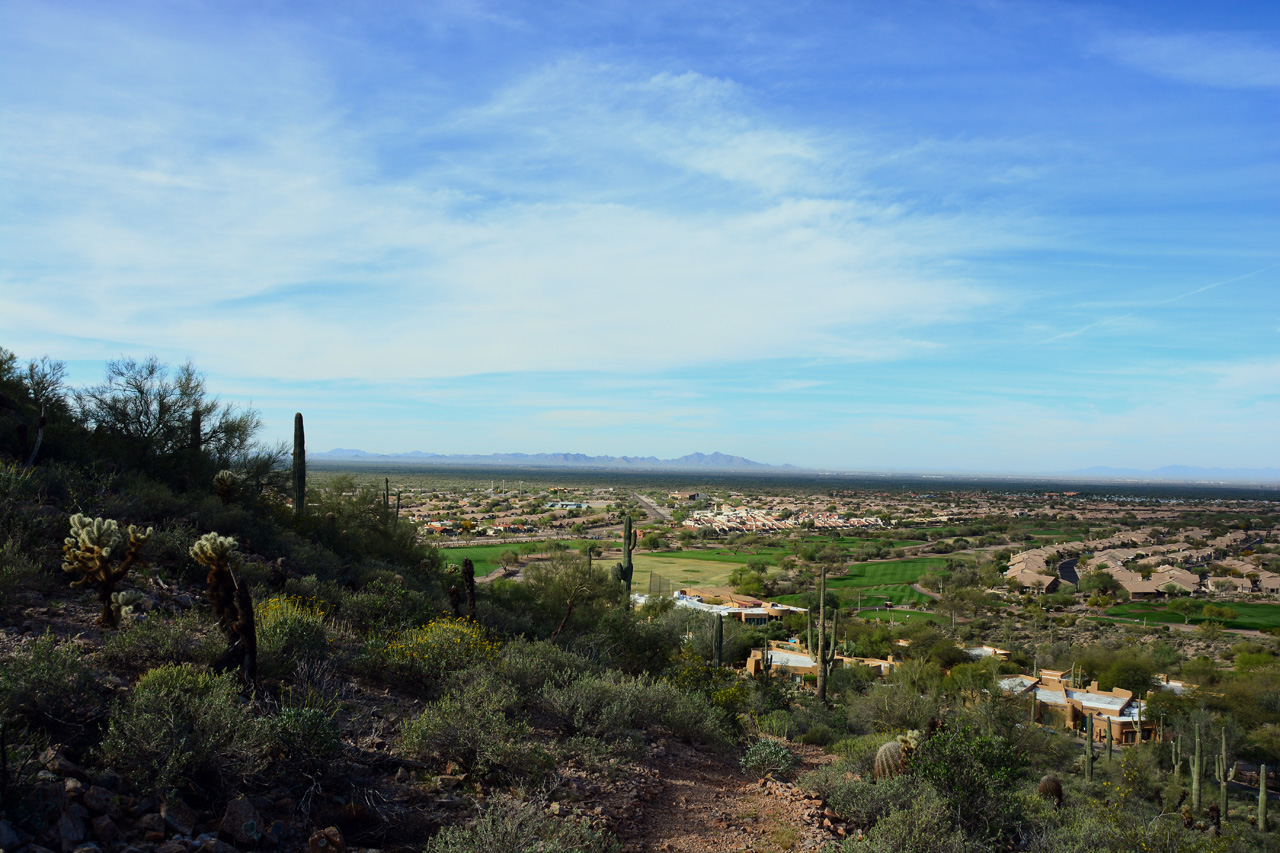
11 838
99 800
105 829
55 762
72 786
327 840
172 847
150 823
180 817
241 821
88 848
71 828
214 845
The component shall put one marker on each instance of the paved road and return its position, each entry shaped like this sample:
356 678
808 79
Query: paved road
651 508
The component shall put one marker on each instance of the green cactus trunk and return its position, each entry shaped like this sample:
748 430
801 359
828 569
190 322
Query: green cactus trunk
1108 742
717 644
299 467
627 570
1197 770
1088 750
1222 777
1262 798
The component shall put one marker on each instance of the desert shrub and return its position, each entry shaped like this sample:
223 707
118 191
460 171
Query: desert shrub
385 606
47 684
471 726
184 729
421 658
289 630
154 641
976 774
858 754
777 723
17 572
305 737
818 735
530 665
858 800
514 826
769 757
922 825
612 704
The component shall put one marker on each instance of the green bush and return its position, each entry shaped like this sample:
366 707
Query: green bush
857 754
471 726
819 735
859 800
609 705
769 758
306 737
920 825
530 665
155 641
17 572
47 684
777 723
513 826
289 630
421 658
184 729
976 774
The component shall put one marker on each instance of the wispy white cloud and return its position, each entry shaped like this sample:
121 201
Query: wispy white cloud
1221 59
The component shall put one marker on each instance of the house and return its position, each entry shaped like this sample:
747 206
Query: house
723 600
1055 702
792 660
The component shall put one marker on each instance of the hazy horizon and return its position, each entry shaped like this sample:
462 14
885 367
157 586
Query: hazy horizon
1003 237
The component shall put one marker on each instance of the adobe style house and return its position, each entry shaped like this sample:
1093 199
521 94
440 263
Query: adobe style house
792 660
1056 703
744 608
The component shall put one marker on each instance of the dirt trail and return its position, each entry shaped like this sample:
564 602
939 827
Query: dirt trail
700 801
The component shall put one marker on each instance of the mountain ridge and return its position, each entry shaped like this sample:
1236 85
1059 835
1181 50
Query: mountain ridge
716 461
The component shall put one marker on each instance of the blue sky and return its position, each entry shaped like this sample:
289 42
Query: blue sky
951 236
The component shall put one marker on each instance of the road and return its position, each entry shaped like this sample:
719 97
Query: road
651 508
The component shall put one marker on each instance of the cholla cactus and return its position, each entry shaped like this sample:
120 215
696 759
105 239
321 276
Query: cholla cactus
227 484
88 553
232 603
128 603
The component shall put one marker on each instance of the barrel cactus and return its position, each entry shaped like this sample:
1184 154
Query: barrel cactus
893 757
1051 789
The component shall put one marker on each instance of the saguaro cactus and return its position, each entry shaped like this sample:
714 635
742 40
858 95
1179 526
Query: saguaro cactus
1220 769
1262 798
299 467
1108 742
87 553
717 641
1088 749
469 584
1196 763
625 569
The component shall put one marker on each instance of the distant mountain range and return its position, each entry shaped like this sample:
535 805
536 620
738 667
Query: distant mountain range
1184 474
691 462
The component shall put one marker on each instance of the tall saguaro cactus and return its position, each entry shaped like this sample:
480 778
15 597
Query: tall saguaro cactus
717 641
1196 762
1262 798
1088 749
1220 770
826 648
1108 741
299 467
625 569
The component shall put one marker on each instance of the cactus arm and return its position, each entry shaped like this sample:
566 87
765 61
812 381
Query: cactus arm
1262 798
